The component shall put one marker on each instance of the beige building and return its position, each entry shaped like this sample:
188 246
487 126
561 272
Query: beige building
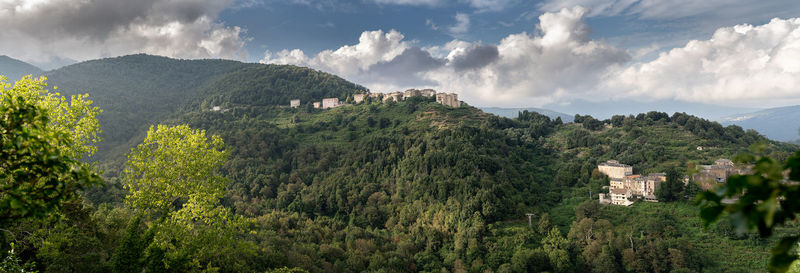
651 183
358 98
615 170
428 92
412 93
294 103
395 96
317 104
448 99
635 183
620 197
328 103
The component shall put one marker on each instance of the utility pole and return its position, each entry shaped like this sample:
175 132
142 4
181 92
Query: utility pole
530 224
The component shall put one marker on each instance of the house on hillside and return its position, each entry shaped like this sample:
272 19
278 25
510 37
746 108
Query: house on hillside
358 98
317 104
395 96
615 170
624 185
621 197
710 175
294 103
412 93
329 103
448 99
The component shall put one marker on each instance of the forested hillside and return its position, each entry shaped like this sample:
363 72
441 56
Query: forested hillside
137 91
411 186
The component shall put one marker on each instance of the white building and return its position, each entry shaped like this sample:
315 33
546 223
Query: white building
294 103
620 197
328 103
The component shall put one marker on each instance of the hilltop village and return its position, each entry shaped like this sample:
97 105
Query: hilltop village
625 187
446 99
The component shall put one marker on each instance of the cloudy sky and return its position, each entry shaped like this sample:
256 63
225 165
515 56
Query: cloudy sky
513 53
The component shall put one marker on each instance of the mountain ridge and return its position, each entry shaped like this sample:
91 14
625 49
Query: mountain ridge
14 69
780 123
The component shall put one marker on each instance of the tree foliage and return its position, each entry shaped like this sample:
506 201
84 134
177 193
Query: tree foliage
38 156
767 199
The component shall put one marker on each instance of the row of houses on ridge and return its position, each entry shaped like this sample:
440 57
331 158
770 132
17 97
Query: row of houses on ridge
446 99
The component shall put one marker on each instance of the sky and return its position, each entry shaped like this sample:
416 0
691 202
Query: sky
509 53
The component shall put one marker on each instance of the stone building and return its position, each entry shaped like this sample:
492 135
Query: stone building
328 103
615 170
294 103
710 175
428 92
412 93
651 183
395 96
358 98
448 99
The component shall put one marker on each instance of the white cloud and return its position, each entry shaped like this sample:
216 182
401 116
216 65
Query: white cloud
743 65
350 60
739 65
462 24
671 9
39 31
534 70
522 68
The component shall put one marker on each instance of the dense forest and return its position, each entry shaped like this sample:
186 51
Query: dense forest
409 186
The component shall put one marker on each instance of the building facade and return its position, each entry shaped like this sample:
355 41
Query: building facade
358 98
615 170
328 103
294 103
621 197
448 99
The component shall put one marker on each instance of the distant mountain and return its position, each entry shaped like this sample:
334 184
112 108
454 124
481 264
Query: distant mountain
782 123
513 112
605 109
14 69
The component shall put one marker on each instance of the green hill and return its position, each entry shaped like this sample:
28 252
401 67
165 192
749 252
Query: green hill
409 186
14 69
137 91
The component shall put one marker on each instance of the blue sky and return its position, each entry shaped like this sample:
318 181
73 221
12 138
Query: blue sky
560 54
314 26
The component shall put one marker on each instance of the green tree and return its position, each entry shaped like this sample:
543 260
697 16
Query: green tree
38 157
174 174
672 189
557 249
75 118
768 198
128 256
173 177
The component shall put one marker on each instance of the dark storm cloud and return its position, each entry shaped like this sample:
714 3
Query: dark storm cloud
39 31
